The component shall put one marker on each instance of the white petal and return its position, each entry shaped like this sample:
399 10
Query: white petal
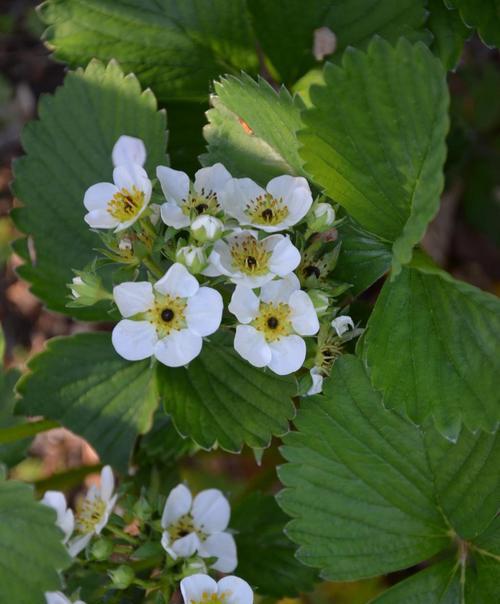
178 348
223 547
186 546
303 316
107 483
288 354
178 504
134 340
132 175
193 588
75 546
133 297
220 258
165 543
285 257
99 195
252 346
295 193
204 311
56 597
237 591
244 304
214 178
177 281
342 324
280 290
173 216
237 194
105 517
317 382
129 150
174 184
214 268
100 219
65 518
211 511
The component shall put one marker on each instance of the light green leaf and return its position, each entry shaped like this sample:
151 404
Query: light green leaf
67 150
265 555
375 139
449 32
369 492
176 48
221 399
483 15
285 28
252 129
81 382
432 346
32 551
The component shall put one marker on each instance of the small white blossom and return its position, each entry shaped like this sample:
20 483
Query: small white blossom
284 202
185 202
250 261
65 517
202 589
125 244
321 217
271 324
56 597
193 257
317 381
167 320
129 150
119 204
342 324
199 526
206 228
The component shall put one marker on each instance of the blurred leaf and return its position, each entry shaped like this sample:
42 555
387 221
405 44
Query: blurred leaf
185 138
81 382
68 149
32 546
483 15
375 140
449 32
11 451
65 481
176 48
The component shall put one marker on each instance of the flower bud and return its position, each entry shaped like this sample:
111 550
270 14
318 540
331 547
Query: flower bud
342 324
321 218
87 289
320 301
194 567
101 549
192 257
206 228
142 509
122 576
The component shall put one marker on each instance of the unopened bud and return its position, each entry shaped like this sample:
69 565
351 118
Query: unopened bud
142 509
192 257
194 567
321 218
122 576
206 228
320 301
101 549
87 289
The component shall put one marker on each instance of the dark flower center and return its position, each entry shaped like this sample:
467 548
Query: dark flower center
251 261
167 315
267 214
201 207
272 322
311 270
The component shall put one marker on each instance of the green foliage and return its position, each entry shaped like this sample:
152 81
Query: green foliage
484 15
11 450
371 493
81 382
252 129
176 48
265 555
375 139
285 28
432 347
67 150
221 399
449 32
31 546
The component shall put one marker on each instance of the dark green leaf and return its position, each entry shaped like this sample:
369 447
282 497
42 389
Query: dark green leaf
484 15
68 149
11 450
375 139
449 32
222 399
81 382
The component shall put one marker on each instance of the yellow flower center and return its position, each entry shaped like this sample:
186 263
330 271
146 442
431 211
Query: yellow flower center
184 526
89 512
203 203
126 204
267 210
167 314
250 256
211 598
273 321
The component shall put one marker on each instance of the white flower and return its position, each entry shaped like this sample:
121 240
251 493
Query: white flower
184 203
167 320
93 511
56 597
128 150
272 323
199 526
284 202
317 381
65 518
248 261
207 228
202 589
120 204
342 324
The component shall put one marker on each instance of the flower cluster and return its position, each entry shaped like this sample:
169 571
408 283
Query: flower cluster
217 238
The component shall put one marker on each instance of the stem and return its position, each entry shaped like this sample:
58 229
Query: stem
122 534
154 268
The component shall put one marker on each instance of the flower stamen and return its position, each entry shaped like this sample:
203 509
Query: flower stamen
273 321
267 210
126 204
250 256
89 512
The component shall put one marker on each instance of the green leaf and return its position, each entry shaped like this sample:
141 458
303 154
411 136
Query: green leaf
67 150
176 48
449 32
369 492
484 15
81 382
31 544
11 450
265 555
285 28
375 139
221 399
252 129
432 347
